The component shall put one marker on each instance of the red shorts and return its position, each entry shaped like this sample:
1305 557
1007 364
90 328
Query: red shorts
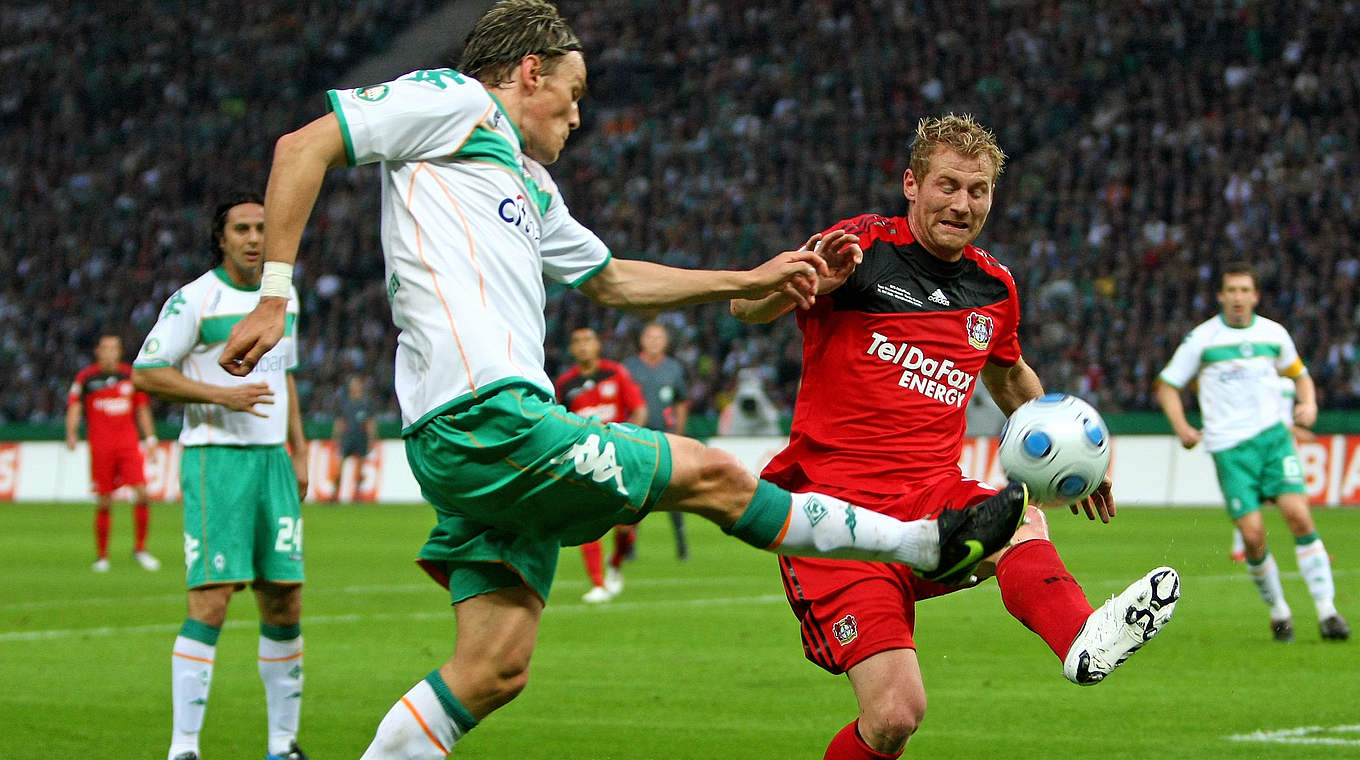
851 610
116 466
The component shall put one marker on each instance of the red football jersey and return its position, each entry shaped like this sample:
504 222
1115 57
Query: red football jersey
891 358
110 401
608 392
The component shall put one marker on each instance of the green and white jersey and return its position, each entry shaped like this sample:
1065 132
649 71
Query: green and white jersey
193 326
1237 367
470 227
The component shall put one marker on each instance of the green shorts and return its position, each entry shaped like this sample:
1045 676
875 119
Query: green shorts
513 477
1259 468
242 519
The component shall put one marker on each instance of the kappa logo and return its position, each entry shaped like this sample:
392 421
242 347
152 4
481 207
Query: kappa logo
595 462
846 629
979 329
938 297
850 521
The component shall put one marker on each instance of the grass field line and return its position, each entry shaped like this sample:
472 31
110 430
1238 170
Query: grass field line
1302 735
555 609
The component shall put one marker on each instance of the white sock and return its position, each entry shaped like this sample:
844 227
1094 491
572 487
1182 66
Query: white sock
1316 568
821 525
281 672
1266 576
191 667
416 728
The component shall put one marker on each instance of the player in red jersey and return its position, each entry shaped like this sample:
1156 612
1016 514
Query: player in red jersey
103 394
597 387
910 321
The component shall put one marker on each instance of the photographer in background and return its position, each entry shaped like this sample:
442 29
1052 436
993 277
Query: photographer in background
751 411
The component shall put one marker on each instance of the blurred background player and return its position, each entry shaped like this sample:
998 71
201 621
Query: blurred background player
665 388
602 388
355 429
114 412
1235 358
241 488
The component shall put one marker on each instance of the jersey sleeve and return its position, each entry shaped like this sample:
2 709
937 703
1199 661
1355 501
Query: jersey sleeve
1289 363
1184 364
423 115
571 253
172 337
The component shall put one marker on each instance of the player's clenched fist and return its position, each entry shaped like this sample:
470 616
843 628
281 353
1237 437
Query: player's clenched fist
253 336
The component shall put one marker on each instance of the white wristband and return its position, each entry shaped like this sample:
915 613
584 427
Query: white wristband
277 279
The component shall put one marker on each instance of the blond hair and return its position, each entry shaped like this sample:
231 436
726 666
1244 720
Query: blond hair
511 30
961 134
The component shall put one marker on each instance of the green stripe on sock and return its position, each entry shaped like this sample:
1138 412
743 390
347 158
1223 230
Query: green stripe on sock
1305 540
200 632
764 518
459 714
1258 562
281 632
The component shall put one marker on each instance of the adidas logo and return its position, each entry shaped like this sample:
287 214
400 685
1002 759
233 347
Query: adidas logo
938 297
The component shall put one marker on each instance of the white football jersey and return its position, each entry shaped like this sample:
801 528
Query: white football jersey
470 226
1237 367
189 335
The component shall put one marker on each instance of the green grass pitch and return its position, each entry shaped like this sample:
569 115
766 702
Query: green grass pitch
695 660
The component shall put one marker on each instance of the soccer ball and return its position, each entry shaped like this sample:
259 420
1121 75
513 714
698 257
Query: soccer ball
1058 446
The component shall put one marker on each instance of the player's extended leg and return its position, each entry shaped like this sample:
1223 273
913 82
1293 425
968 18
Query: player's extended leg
1265 573
1314 564
713 484
191 666
489 667
592 554
1038 590
280 664
892 703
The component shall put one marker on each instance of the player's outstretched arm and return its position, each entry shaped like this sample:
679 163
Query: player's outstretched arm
838 248
1169 397
629 283
170 384
301 160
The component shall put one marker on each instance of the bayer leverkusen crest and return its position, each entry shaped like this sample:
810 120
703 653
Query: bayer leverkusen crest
845 630
979 330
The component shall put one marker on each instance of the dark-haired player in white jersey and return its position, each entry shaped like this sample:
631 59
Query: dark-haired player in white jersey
910 329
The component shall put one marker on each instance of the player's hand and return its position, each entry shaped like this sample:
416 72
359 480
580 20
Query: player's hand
1305 414
71 441
793 273
253 336
1099 503
1189 437
841 251
243 398
301 472
149 443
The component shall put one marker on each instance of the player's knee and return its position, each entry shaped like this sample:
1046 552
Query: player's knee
710 482
887 727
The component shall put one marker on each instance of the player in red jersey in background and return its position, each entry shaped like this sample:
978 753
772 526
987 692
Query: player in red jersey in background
597 387
103 394
893 346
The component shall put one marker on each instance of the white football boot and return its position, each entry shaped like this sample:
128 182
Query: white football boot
1122 625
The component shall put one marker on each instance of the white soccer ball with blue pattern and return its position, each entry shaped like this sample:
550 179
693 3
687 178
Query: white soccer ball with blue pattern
1058 446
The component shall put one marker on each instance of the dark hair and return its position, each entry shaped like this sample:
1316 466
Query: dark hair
1239 267
511 30
219 219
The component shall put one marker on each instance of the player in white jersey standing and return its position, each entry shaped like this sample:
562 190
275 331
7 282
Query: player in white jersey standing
1237 357
471 225
241 488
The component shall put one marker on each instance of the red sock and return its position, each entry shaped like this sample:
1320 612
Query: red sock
849 745
102 519
594 557
1039 592
623 544
141 517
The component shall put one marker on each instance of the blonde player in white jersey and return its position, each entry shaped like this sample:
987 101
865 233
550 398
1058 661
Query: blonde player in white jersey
471 225
241 488
1235 358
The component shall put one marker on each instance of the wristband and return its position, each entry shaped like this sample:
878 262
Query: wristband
277 280
151 440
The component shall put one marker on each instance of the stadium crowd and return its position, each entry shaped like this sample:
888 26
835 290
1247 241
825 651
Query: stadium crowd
1149 143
